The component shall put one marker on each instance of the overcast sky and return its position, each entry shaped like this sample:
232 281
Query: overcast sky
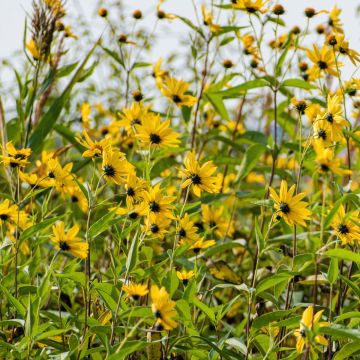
12 15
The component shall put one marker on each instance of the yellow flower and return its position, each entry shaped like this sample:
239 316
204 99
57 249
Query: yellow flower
156 134
15 157
208 20
185 276
95 148
175 90
157 226
12 215
327 162
68 241
133 116
255 178
345 226
115 167
215 221
85 111
250 6
59 176
187 231
322 136
312 111
342 46
78 197
202 244
158 73
334 116
163 308
135 291
33 49
162 14
334 20
133 211
299 105
200 177
309 326
157 203
324 61
134 189
290 207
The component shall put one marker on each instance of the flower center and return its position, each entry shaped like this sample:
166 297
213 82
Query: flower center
176 99
343 229
64 246
130 192
329 118
155 139
135 122
322 134
133 215
154 229
195 179
51 175
182 232
4 217
322 65
157 314
324 167
109 170
284 208
154 206
74 199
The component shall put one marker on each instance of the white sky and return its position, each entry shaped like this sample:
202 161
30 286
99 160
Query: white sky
12 15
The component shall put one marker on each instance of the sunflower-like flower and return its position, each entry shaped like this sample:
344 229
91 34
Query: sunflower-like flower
334 116
15 157
134 189
175 90
157 226
345 226
201 245
328 163
208 20
135 291
95 149
309 327
133 116
324 61
215 221
163 308
133 211
200 177
68 241
342 46
289 206
187 231
322 136
312 112
12 215
250 6
115 167
185 276
157 203
155 133
299 105
334 20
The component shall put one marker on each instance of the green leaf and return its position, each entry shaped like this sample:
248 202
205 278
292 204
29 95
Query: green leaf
132 257
101 225
298 83
333 271
20 308
351 284
216 101
49 119
205 309
270 317
76 276
343 254
271 281
250 159
32 230
340 332
260 241
109 294
346 350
